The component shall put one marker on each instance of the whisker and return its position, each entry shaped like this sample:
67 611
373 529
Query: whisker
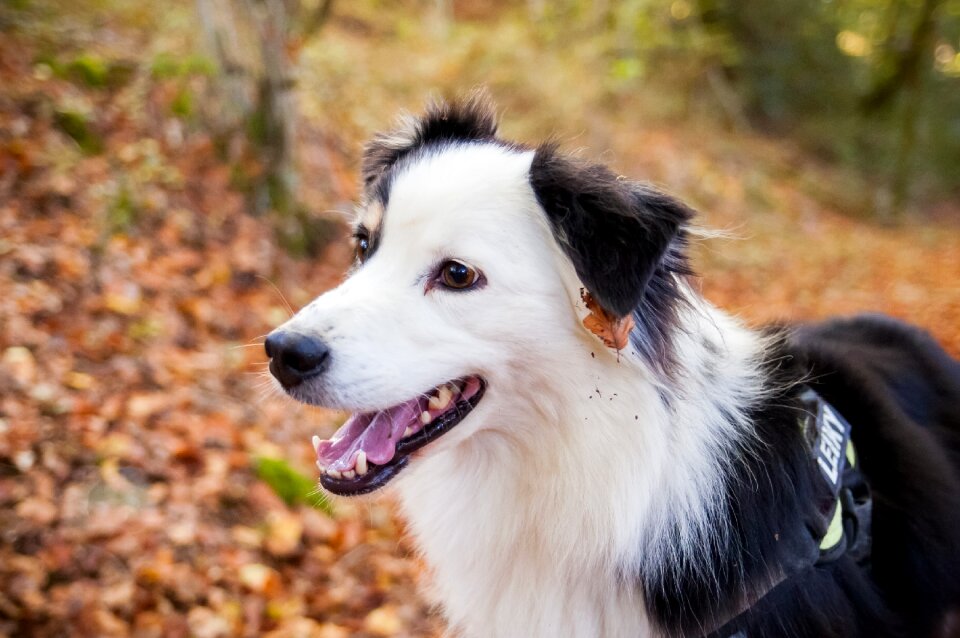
263 368
282 298
259 344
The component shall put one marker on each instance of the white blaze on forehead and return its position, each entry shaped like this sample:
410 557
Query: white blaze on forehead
459 186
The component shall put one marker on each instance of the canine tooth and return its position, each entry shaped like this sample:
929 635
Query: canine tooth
349 474
335 474
425 418
442 400
361 463
320 467
408 431
316 444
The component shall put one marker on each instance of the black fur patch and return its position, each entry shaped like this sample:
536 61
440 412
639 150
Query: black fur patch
901 393
769 505
655 315
626 241
875 372
470 119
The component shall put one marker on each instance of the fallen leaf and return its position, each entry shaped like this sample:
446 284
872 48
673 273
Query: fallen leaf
260 578
331 630
205 623
613 331
36 510
19 364
383 621
78 380
284 530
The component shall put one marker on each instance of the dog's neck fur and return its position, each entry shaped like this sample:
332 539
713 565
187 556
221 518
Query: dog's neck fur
505 545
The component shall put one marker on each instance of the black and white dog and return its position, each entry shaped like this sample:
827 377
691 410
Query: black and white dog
583 446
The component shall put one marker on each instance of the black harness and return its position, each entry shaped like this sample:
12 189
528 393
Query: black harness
844 502
847 502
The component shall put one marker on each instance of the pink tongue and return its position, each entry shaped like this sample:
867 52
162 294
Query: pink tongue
376 433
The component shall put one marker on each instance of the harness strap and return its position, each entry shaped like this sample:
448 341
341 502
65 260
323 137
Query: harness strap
850 506
845 504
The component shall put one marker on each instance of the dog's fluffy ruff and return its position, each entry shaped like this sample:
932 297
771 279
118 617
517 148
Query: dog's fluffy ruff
634 485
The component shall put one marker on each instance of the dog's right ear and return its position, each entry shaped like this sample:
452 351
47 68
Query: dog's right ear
619 234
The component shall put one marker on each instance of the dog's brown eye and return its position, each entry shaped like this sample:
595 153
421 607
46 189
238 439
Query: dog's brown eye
363 245
457 275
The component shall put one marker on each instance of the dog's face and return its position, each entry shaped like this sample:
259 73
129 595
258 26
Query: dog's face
471 252
456 285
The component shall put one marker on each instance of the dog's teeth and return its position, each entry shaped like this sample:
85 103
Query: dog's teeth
333 473
442 400
349 474
425 418
409 430
361 463
316 444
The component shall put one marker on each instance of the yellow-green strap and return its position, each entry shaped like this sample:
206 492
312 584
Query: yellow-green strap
835 531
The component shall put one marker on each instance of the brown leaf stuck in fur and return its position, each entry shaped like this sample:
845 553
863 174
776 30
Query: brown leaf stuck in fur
613 331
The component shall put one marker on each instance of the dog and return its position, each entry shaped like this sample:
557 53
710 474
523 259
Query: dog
583 446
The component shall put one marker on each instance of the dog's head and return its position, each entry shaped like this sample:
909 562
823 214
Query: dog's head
472 257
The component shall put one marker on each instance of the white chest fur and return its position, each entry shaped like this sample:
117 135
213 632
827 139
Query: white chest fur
542 524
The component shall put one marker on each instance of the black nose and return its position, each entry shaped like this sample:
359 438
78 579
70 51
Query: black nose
295 357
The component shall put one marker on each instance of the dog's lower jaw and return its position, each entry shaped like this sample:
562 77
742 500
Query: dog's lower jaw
549 528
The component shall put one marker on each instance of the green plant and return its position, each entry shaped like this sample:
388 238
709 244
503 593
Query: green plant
77 126
290 485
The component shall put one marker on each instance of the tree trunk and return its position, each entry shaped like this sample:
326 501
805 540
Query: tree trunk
275 120
255 43
907 79
222 37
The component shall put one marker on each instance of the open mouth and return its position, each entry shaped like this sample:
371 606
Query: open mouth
371 448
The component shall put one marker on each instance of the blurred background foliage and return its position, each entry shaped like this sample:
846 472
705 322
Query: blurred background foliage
870 87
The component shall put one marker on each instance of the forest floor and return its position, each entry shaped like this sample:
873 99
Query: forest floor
137 428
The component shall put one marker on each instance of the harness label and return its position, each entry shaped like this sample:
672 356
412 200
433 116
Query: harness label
833 432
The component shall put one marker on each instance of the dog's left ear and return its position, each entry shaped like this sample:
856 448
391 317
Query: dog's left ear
615 231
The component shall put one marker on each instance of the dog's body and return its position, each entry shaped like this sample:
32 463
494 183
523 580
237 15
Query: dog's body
660 487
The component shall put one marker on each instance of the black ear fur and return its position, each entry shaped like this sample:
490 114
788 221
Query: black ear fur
618 233
470 118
